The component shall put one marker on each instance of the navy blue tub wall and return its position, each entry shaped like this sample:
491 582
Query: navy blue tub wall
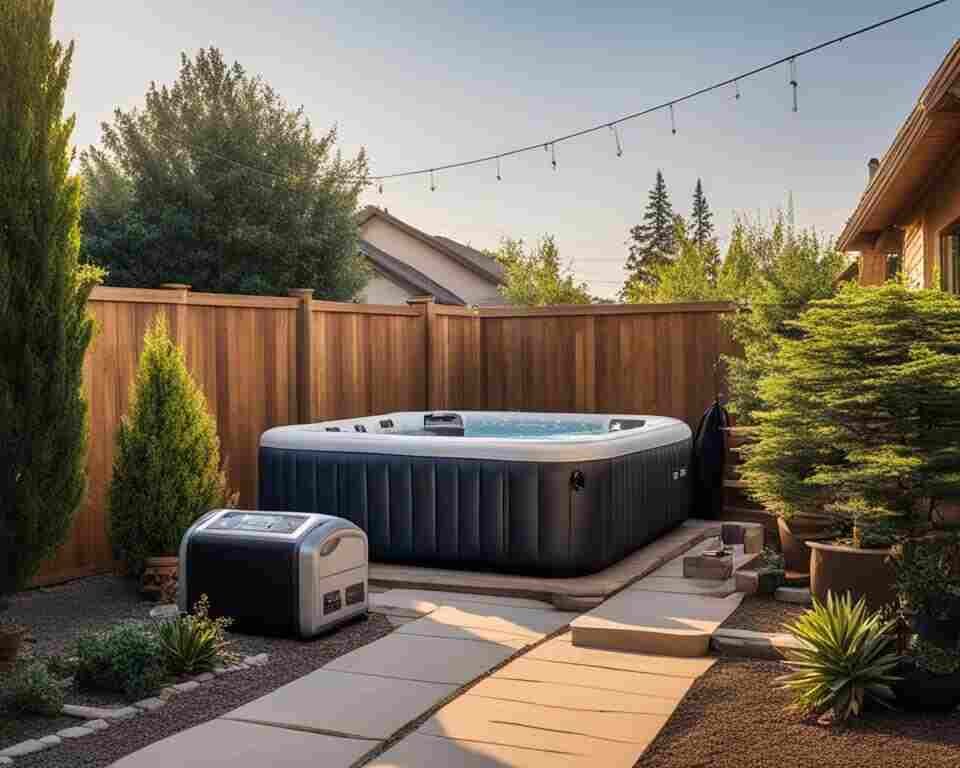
554 503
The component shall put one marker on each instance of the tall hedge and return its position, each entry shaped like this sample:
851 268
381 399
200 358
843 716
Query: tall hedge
44 325
861 413
167 469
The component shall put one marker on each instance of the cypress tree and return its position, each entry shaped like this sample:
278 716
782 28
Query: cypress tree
44 325
167 470
654 240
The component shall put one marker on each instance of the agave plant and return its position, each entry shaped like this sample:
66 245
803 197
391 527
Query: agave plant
194 643
846 658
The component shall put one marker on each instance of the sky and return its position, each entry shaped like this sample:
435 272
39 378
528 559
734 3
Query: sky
419 84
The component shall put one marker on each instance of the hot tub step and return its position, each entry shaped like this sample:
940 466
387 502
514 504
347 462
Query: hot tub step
654 622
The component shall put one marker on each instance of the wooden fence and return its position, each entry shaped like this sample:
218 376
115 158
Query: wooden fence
265 361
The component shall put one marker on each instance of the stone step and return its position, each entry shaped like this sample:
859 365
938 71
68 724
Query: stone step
654 622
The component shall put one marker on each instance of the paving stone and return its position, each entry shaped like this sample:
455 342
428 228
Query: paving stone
527 727
205 677
752 645
99 713
186 687
419 750
361 706
798 595
654 622
526 622
424 601
399 621
149 705
572 697
23 748
718 588
51 740
428 627
229 744
76 732
662 686
427 659
96 725
562 650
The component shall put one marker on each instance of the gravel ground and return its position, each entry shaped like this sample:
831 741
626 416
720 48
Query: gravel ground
58 615
763 614
734 717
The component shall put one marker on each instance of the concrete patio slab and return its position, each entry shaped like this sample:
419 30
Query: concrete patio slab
562 650
660 686
427 627
681 586
561 592
523 622
572 697
468 717
228 744
420 750
654 622
344 704
427 659
426 600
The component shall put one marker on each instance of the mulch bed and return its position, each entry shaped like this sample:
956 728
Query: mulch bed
58 615
763 614
734 717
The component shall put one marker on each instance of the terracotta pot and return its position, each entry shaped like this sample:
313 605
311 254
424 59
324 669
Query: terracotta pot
794 536
11 638
865 573
159 579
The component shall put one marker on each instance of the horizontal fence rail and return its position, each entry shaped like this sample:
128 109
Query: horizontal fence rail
264 361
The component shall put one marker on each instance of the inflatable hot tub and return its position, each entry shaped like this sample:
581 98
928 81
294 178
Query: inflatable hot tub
529 493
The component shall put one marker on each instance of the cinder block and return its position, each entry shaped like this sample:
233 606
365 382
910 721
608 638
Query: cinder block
703 567
750 535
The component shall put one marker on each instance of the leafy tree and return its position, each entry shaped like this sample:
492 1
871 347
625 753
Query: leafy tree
44 325
685 278
214 182
859 410
535 278
790 269
653 241
167 470
701 232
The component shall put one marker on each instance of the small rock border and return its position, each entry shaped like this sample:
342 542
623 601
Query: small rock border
98 718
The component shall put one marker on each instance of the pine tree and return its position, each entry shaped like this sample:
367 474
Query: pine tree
167 469
701 233
653 241
859 411
44 325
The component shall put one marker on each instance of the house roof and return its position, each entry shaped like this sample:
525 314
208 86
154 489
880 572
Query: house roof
922 149
411 278
476 261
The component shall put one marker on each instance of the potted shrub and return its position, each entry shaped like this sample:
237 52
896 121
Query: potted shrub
167 471
928 585
860 422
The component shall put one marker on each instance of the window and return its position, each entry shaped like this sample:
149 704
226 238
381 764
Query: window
950 262
894 266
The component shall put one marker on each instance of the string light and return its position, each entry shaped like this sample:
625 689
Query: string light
616 138
499 177
380 188
433 180
793 82
673 121
790 59
553 156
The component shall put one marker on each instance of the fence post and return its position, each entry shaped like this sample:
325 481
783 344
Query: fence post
304 354
428 307
179 330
